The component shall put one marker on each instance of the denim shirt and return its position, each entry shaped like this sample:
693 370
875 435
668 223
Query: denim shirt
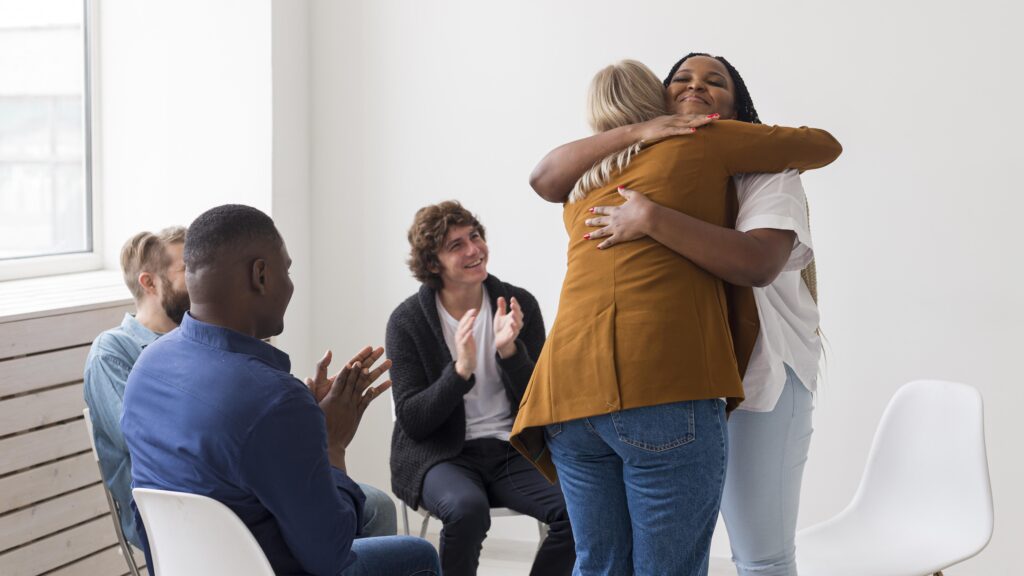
110 359
214 412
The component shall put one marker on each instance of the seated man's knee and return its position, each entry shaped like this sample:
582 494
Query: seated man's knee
473 512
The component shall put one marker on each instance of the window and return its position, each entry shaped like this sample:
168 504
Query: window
45 193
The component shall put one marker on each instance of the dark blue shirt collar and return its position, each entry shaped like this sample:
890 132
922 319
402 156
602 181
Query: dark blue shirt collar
231 341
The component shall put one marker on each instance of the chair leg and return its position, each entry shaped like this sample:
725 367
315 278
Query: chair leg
423 528
542 531
405 518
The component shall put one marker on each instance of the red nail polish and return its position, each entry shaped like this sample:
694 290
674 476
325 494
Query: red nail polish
621 188
586 236
715 115
591 210
693 130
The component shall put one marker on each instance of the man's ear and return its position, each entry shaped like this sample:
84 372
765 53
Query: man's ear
148 282
259 275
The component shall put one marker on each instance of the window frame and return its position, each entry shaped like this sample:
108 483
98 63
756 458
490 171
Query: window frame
92 258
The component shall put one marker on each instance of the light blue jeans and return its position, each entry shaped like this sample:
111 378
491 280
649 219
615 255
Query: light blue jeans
393 556
379 515
767 452
643 487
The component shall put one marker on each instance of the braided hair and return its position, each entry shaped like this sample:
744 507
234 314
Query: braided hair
745 111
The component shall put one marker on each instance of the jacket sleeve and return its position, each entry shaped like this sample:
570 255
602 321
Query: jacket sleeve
421 405
745 147
519 367
317 507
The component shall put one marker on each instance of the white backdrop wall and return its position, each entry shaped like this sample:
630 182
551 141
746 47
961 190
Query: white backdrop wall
417 102
185 118
205 103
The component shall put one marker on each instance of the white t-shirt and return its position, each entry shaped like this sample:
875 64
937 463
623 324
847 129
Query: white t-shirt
488 411
788 314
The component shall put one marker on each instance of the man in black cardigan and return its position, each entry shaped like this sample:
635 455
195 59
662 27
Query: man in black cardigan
463 350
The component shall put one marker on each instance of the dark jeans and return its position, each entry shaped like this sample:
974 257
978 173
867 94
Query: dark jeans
490 473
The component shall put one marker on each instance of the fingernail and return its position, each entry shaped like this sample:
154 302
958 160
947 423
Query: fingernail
599 247
715 115
693 130
591 210
586 236
621 188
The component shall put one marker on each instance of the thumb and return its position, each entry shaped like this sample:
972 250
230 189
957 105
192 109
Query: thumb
626 192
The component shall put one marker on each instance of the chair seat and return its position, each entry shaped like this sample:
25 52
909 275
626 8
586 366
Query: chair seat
858 547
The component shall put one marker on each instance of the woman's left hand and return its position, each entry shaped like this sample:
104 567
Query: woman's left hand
507 324
623 223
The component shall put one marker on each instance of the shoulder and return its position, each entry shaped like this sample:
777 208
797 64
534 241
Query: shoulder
113 346
508 290
407 313
758 185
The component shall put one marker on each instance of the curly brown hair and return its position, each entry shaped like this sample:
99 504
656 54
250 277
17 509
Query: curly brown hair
427 234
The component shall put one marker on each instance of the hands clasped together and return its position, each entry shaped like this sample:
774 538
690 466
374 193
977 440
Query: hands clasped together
345 396
507 324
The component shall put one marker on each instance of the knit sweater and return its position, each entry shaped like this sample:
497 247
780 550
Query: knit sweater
430 416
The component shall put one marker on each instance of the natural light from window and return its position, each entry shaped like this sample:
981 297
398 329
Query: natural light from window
45 205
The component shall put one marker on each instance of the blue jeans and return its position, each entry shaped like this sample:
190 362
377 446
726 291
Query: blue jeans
379 515
643 487
762 490
393 556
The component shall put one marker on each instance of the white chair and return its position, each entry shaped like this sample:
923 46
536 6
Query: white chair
924 502
192 535
115 509
542 528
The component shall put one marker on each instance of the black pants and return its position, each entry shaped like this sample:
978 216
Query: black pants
489 473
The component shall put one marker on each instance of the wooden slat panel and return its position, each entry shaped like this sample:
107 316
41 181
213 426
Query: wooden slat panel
60 549
34 410
42 446
42 370
52 516
44 482
56 332
108 562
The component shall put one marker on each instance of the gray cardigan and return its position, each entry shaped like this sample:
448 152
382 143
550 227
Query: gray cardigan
430 425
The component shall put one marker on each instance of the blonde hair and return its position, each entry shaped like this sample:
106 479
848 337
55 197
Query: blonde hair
146 252
626 92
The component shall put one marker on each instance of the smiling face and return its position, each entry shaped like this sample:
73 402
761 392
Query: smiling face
462 257
702 85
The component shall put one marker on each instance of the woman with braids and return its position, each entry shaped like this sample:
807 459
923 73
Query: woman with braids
769 435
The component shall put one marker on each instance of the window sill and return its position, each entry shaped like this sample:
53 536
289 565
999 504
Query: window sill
34 297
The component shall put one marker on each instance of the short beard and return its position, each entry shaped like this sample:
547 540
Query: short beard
174 303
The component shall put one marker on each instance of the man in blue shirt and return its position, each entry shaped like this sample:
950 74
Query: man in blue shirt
211 409
154 272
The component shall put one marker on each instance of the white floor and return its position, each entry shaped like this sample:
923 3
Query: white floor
514 557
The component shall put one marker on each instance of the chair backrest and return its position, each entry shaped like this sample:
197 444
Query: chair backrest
928 462
88 429
115 511
192 535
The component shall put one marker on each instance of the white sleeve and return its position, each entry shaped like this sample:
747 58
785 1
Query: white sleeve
776 201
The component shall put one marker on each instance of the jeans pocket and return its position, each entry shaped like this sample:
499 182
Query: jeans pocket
552 430
656 428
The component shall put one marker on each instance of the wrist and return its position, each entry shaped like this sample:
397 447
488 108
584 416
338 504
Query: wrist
463 371
508 350
336 456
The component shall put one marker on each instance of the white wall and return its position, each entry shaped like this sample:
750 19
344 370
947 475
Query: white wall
185 117
415 102
205 103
